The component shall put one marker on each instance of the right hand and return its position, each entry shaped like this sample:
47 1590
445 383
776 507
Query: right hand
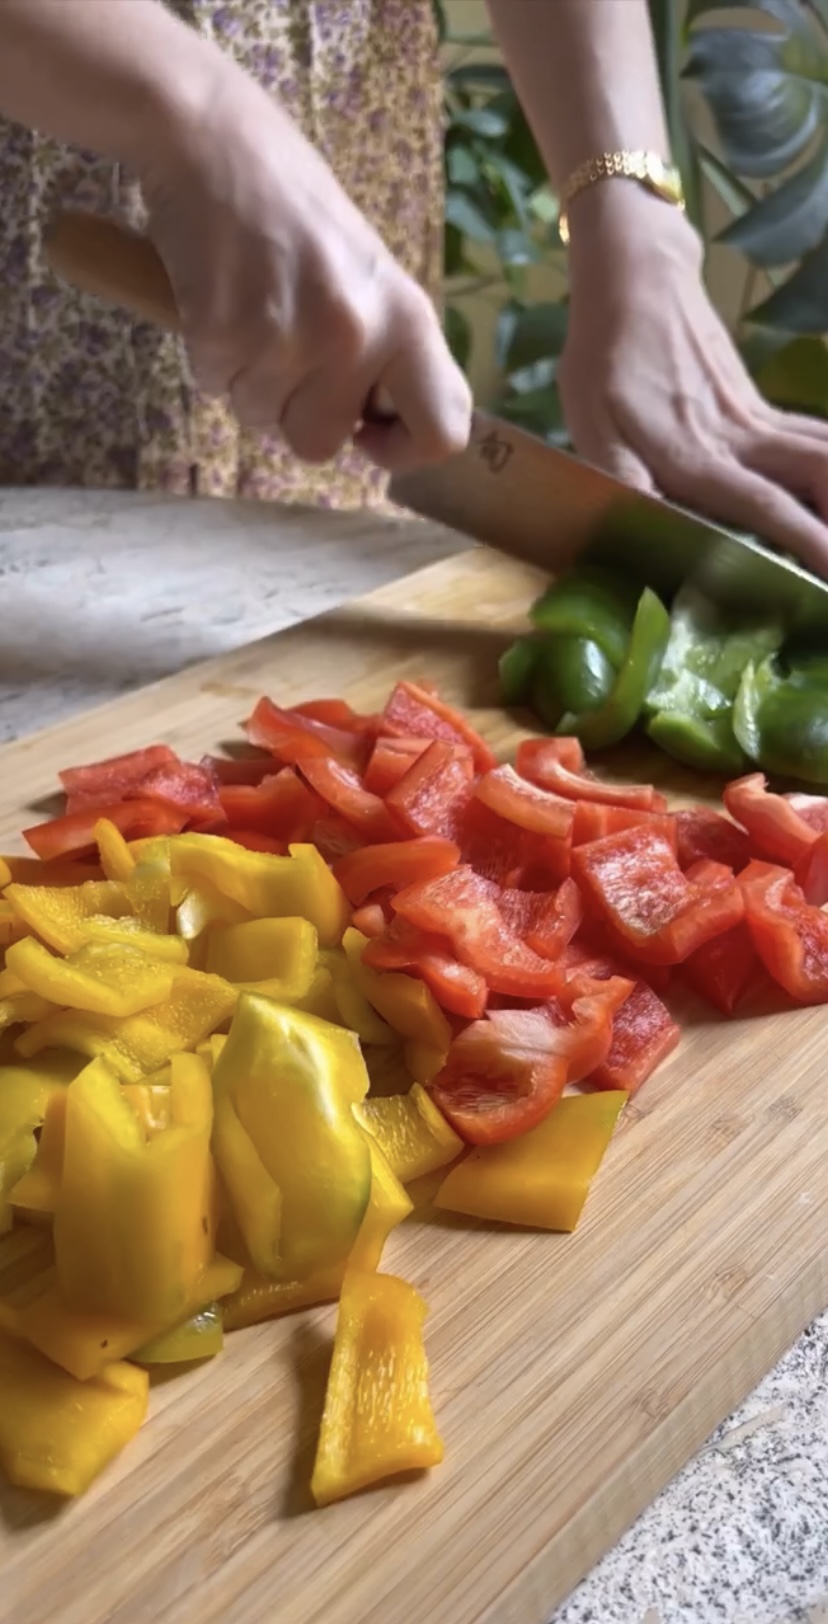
289 302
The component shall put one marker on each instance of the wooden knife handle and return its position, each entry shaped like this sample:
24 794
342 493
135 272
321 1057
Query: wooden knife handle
106 259
101 257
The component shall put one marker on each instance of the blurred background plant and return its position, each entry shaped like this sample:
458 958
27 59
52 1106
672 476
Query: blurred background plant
746 90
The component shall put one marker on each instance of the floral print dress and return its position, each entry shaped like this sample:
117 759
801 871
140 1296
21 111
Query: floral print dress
89 396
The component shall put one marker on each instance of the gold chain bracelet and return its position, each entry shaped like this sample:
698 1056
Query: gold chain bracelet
645 167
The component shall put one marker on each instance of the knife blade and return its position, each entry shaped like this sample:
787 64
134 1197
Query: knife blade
546 507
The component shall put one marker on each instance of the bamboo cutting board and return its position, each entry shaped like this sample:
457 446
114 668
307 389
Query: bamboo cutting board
571 1376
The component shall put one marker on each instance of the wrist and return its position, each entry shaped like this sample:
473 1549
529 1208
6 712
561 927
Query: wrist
619 220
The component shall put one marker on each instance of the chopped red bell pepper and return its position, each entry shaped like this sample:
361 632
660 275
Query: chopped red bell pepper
600 952
723 970
519 802
239 769
342 788
632 882
414 711
389 762
431 795
457 988
75 833
781 827
789 934
335 838
257 840
337 713
397 863
812 872
643 1034
280 805
539 760
593 821
704 833
182 786
106 781
293 738
464 907
371 919
535 754
545 920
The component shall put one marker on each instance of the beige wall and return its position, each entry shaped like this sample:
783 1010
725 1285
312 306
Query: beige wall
726 273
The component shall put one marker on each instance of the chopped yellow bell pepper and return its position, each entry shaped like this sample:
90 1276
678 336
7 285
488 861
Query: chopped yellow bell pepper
5 874
388 1206
542 1179
151 1103
269 887
200 1337
59 915
378 1419
320 999
292 1081
203 906
103 978
22 1007
139 1044
414 1136
254 1197
34 1196
10 926
26 1253
352 1007
56 1433
25 1093
149 887
258 1299
404 1002
422 1062
117 861
135 1220
272 956
131 934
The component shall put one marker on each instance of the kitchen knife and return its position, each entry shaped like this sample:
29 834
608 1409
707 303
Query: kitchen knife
507 488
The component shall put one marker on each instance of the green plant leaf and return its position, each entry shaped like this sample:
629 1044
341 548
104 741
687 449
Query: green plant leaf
455 262
758 345
539 411
669 38
527 380
478 75
790 221
734 194
535 332
484 121
765 90
517 248
468 216
800 305
462 166
796 377
458 335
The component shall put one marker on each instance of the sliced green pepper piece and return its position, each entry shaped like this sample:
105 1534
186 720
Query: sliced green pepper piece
781 720
613 720
592 603
706 655
571 674
705 743
516 669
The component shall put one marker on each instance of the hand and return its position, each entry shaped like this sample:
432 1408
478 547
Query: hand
289 302
655 392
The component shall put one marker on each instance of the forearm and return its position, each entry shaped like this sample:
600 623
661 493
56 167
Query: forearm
586 74
105 75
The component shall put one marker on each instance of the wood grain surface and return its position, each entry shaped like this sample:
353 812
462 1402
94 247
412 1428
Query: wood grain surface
572 1376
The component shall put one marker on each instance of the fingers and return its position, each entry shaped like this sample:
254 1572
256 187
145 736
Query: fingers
623 464
731 494
432 402
798 464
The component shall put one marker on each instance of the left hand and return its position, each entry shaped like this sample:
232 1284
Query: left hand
655 392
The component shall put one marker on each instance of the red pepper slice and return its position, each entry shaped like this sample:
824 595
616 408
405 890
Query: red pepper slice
293 738
812 872
593 820
239 769
416 712
535 754
633 883
789 934
704 833
643 1035
504 1074
500 851
182 786
337 713
342 788
723 970
257 840
390 761
280 805
75 832
106 781
464 907
781 827
539 760
335 838
431 795
457 987
545 920
397 863
518 801
370 920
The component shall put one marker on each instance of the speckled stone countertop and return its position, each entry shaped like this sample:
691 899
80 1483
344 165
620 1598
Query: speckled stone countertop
101 592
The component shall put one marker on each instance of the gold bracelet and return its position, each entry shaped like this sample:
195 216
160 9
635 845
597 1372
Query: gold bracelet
645 167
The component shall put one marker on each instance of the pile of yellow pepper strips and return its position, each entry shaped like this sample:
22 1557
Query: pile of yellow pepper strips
188 1146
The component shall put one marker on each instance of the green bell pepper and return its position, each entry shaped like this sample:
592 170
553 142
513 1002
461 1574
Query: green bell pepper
617 715
780 716
591 602
572 674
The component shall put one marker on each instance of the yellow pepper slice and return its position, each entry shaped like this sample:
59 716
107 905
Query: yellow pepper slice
200 1337
34 1195
149 888
292 1081
202 906
422 1062
59 915
151 1103
255 1198
117 861
103 978
352 1007
56 1433
273 956
10 926
258 1299
20 1007
320 999
25 1093
405 1003
139 1044
542 1179
269 887
378 1419
135 1220
388 1206
413 1135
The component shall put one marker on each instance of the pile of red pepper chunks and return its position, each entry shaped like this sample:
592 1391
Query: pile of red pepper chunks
549 912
